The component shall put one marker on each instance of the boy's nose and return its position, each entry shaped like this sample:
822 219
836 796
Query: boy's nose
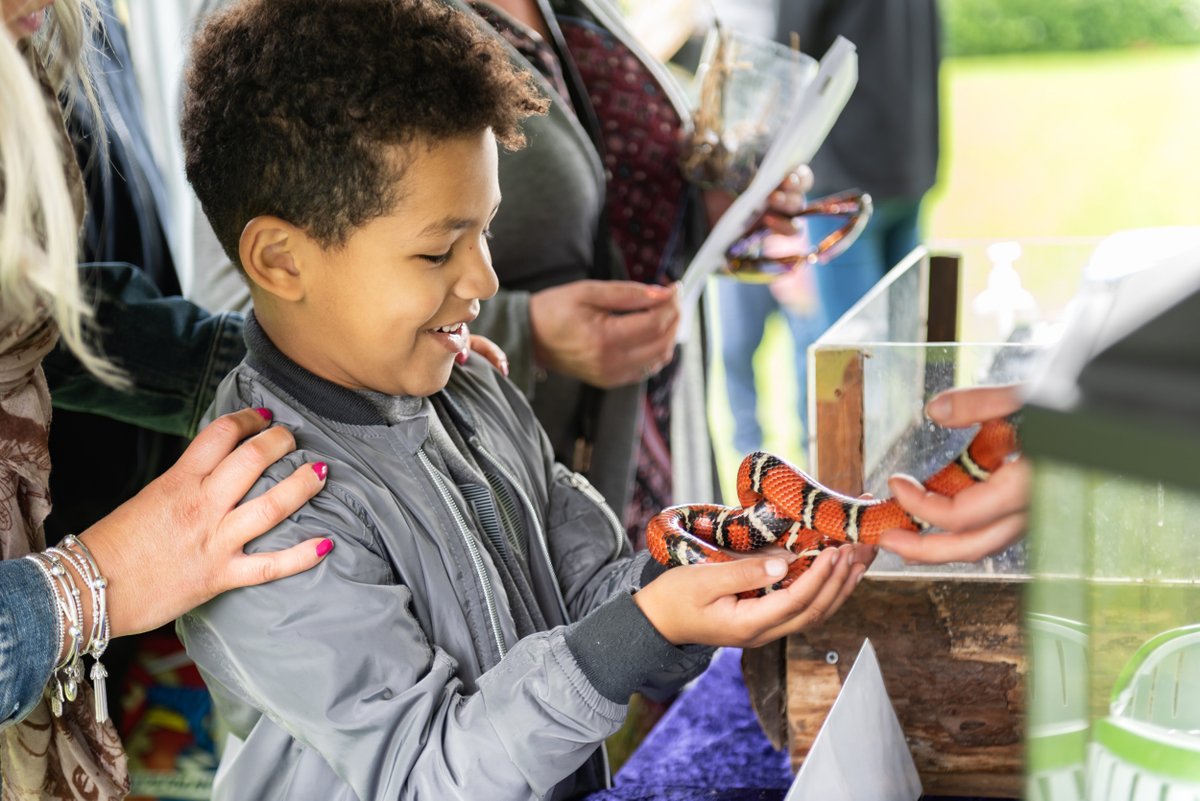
480 280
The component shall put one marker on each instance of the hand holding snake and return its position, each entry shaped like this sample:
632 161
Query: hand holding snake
783 506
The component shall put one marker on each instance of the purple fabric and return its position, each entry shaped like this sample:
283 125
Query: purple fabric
707 747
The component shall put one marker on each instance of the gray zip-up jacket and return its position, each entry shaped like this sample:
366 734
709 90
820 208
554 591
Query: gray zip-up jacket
393 669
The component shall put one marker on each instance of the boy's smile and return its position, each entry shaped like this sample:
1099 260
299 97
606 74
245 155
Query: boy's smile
387 311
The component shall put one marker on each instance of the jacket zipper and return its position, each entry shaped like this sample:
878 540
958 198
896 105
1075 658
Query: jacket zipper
485 583
539 534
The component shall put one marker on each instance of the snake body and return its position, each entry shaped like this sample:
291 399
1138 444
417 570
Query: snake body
781 505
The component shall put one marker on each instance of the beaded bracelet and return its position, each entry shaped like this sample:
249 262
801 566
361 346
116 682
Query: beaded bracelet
64 674
74 668
82 558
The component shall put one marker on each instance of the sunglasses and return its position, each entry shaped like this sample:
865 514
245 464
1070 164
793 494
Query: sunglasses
764 255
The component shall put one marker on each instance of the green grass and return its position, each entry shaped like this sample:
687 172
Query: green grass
1064 145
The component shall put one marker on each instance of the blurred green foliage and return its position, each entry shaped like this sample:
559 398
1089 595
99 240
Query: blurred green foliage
986 27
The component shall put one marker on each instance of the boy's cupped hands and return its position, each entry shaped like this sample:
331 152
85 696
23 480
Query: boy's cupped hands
699 604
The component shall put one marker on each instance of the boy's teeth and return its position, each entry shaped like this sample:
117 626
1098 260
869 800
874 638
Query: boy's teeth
447 329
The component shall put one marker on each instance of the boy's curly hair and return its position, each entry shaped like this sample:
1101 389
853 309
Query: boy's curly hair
290 105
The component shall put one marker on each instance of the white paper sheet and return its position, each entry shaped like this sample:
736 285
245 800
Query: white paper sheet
801 134
860 753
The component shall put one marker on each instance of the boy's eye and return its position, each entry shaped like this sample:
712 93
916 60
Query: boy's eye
487 233
441 258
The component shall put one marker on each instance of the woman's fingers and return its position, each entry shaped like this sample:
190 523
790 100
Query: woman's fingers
218 439
260 568
490 351
956 408
1005 493
259 515
966 546
233 477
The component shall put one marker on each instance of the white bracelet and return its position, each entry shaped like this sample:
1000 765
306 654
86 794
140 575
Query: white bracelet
65 673
101 627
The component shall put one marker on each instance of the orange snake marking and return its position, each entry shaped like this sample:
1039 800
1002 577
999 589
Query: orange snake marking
782 505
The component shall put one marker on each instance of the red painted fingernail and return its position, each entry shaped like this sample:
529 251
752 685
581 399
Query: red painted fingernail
265 414
321 469
461 356
324 547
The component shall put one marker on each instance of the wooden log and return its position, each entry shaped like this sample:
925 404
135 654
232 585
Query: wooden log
953 661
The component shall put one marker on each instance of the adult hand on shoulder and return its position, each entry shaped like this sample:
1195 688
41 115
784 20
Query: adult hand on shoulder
477 343
179 541
699 604
605 333
981 520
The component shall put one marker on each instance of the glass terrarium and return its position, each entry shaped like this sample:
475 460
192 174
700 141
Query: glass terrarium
1113 611
948 637
979 314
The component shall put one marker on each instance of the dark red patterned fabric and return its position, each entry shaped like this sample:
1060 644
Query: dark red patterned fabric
646 199
646 190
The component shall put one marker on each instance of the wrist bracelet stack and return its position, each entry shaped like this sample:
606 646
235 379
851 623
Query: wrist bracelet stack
68 674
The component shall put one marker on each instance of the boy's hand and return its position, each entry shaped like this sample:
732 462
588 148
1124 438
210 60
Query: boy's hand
981 520
699 605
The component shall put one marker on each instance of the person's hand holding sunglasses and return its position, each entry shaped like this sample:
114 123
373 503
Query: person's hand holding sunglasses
776 244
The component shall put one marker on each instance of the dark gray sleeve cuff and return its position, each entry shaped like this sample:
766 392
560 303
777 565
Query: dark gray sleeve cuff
651 571
618 649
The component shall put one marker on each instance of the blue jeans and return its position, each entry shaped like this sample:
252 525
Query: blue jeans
743 311
28 627
890 235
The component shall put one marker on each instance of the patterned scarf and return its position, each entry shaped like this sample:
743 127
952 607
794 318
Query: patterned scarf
43 757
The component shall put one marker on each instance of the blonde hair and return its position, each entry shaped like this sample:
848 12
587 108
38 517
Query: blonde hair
39 232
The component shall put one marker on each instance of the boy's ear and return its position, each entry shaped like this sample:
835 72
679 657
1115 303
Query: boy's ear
271 253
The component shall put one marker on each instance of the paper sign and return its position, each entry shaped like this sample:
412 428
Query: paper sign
860 753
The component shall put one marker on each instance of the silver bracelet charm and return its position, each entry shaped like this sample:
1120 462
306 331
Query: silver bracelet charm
82 558
73 671
64 685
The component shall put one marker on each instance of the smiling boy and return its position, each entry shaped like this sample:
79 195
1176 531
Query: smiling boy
482 623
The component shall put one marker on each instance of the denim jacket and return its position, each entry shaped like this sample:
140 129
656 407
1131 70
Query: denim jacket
28 634
175 353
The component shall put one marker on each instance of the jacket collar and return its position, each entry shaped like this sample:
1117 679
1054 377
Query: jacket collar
324 397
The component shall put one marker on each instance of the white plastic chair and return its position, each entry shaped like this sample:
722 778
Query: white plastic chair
1056 697
1148 747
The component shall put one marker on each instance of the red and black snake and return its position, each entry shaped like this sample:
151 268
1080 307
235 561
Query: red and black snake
782 505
